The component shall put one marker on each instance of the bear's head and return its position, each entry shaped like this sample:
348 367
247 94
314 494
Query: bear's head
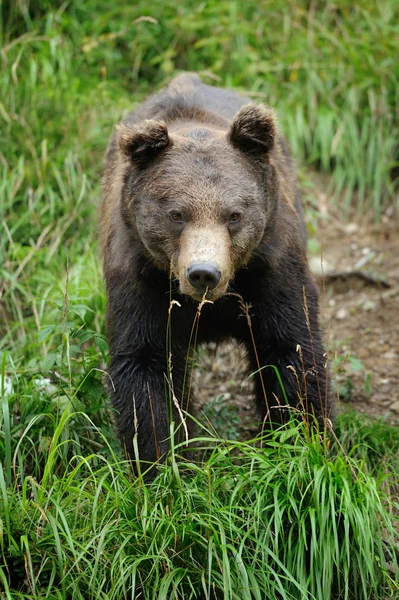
200 196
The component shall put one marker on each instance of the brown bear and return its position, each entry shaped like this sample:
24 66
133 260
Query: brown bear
200 202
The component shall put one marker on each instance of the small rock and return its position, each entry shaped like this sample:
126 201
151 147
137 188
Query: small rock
44 385
389 211
332 302
8 387
341 314
395 406
384 388
369 305
366 257
390 355
351 228
318 266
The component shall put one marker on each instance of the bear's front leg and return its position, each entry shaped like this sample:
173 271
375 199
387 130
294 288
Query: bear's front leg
140 394
287 351
140 384
291 378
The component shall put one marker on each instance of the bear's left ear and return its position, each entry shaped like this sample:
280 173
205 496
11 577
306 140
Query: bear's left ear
142 143
254 129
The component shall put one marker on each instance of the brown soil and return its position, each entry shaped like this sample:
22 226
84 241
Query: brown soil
360 311
358 276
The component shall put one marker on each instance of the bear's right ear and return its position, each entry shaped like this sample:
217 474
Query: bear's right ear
142 143
254 129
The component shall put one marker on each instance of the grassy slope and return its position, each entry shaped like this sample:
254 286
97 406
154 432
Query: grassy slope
75 527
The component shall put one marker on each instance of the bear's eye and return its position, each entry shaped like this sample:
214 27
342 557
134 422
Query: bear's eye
176 216
234 217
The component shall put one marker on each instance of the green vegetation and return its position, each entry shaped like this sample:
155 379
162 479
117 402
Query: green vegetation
290 520
295 519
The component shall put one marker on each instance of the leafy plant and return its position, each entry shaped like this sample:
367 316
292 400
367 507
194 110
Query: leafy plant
345 367
223 418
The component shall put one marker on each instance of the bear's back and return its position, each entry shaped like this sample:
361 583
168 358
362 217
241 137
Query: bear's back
189 91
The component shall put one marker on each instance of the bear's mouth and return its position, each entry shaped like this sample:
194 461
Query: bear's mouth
206 295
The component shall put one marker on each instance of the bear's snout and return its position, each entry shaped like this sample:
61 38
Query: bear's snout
203 263
203 276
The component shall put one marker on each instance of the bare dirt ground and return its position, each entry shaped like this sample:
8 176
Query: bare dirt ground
358 276
360 311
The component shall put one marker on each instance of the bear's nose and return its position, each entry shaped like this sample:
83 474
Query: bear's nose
203 276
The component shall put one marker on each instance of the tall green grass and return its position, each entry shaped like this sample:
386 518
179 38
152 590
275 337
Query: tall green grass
291 520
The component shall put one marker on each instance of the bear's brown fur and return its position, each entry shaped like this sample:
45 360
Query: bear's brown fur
200 201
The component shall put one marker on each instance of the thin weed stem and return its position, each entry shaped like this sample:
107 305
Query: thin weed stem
245 307
177 405
307 317
323 279
194 329
158 453
65 335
